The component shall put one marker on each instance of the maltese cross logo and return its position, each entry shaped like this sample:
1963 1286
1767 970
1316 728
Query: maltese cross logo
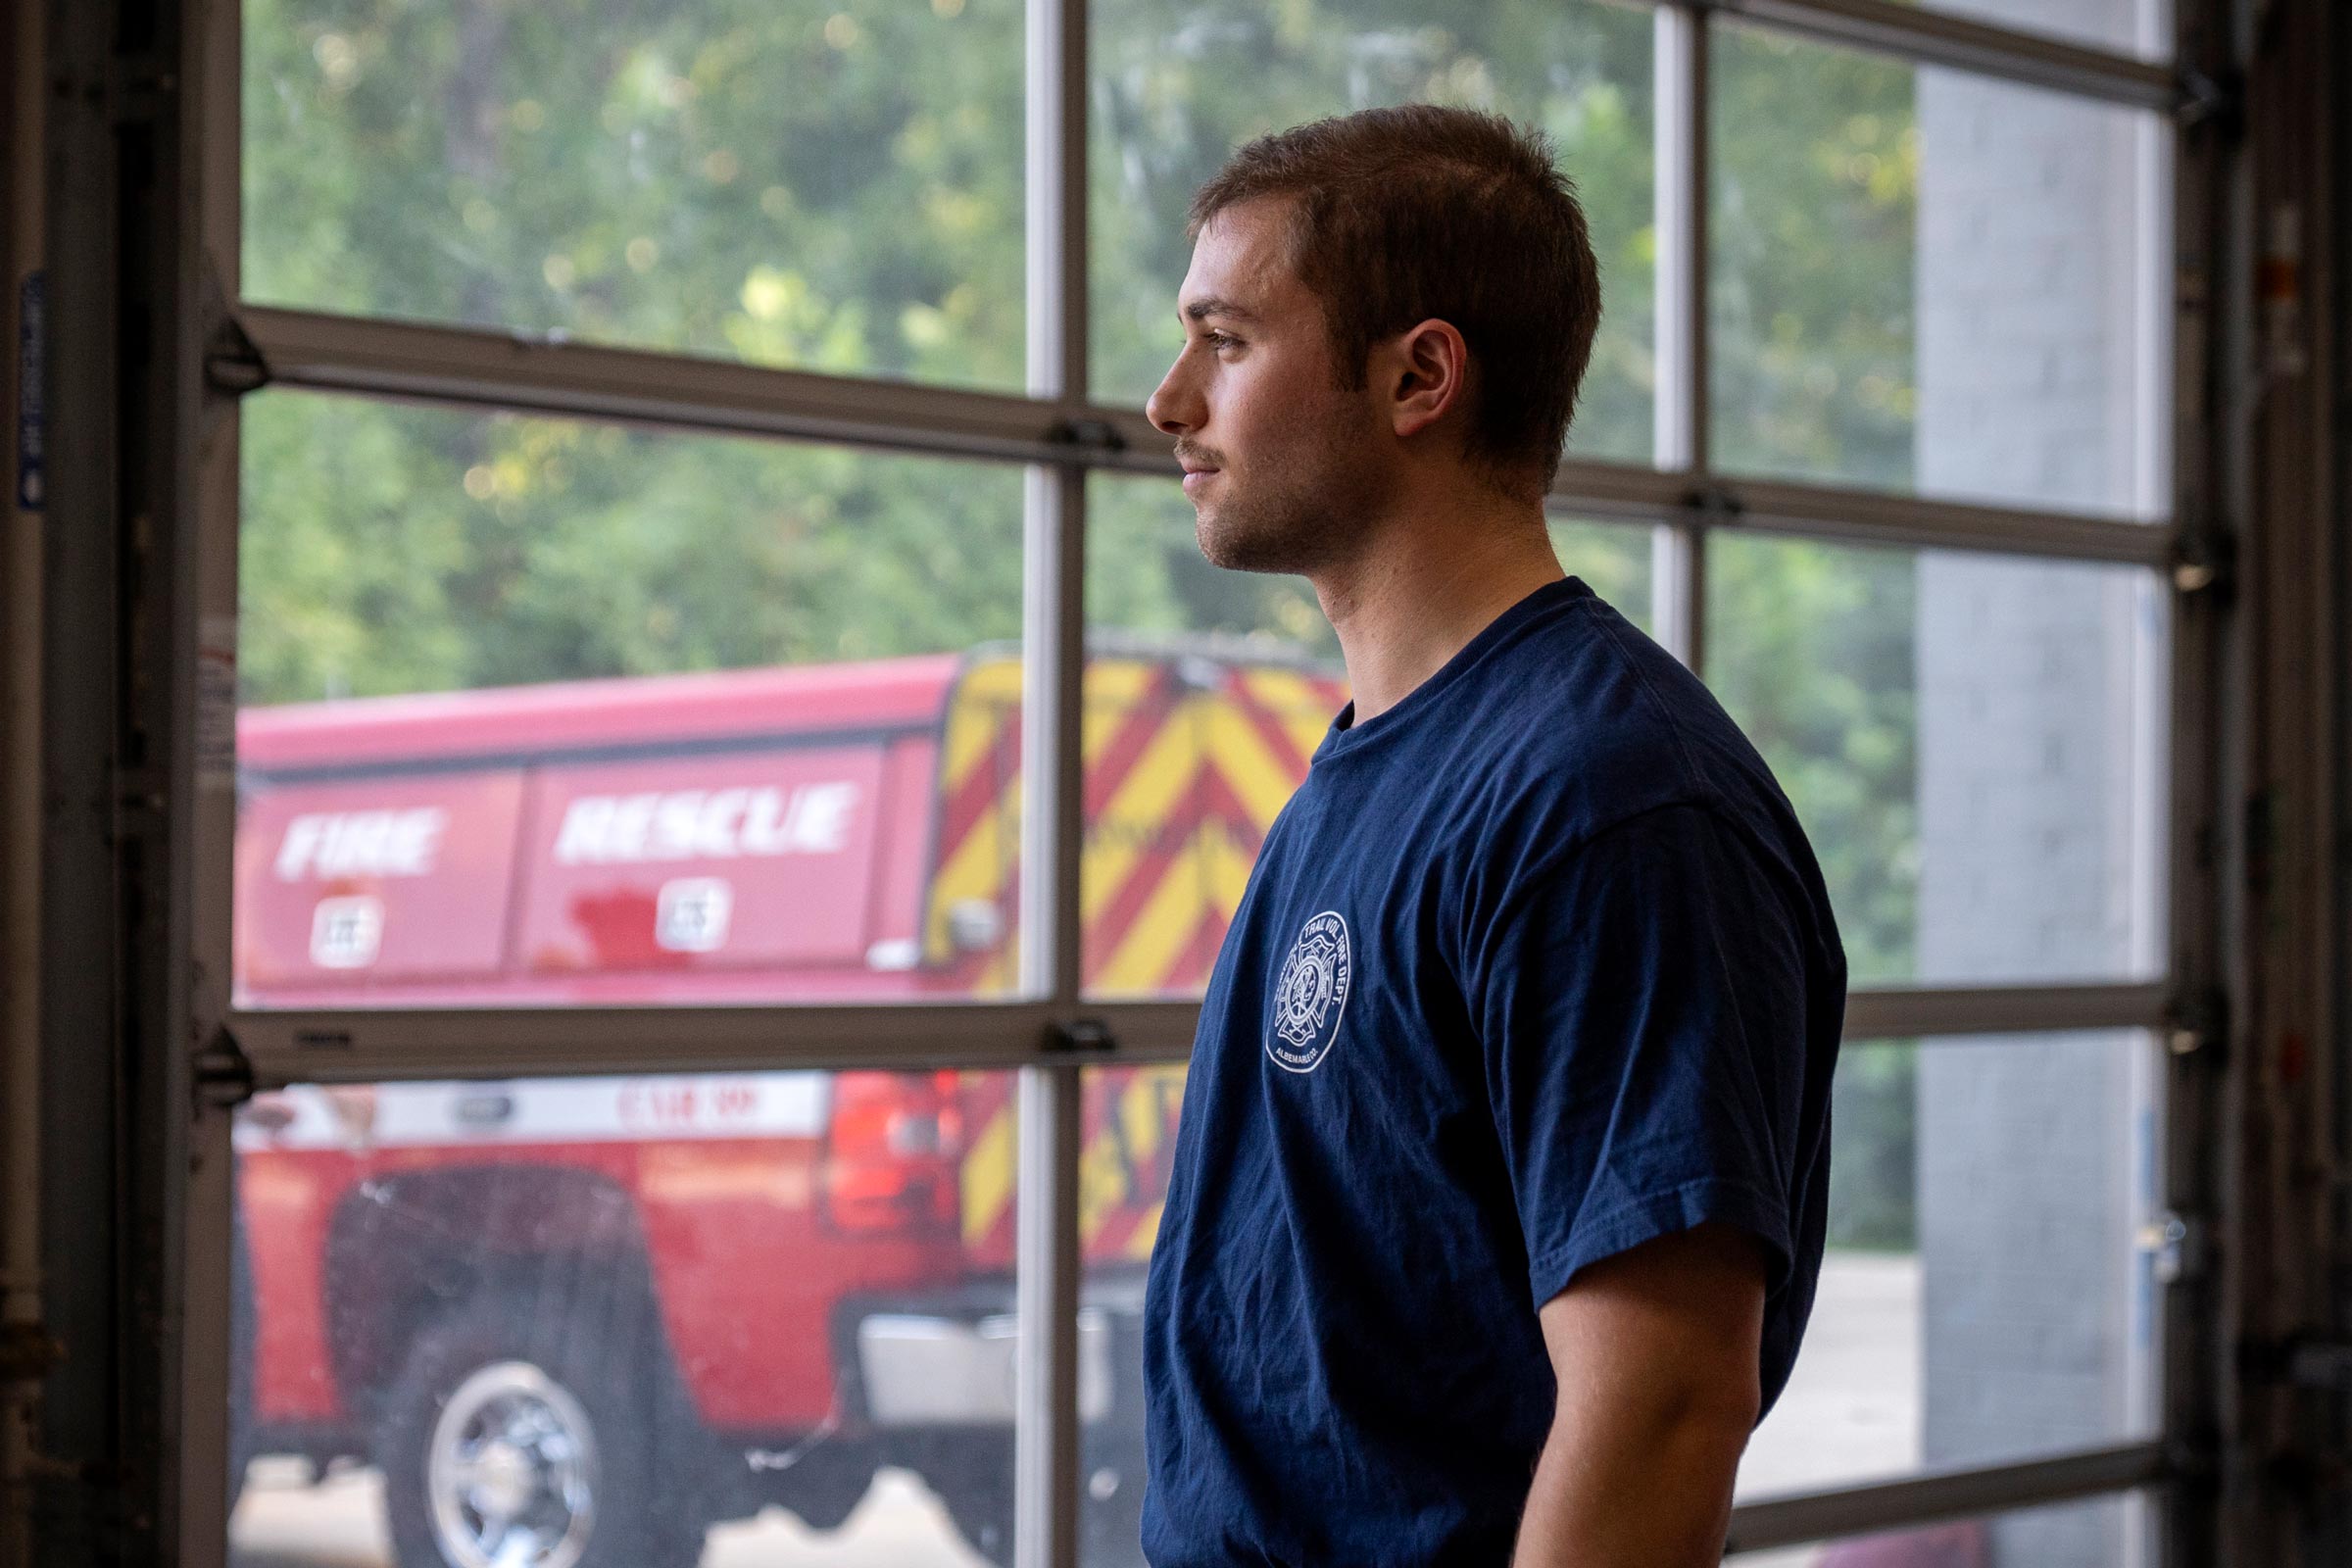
1311 995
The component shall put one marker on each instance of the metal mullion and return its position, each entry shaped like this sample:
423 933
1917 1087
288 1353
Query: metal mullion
1919 1499
1860 516
1939 38
1587 488
1679 446
391 1044
472 367
1671 599
1123 440
1141 1031
1054 674
356 1045
1879 1013
2210 343
1045 1438
213 109
1679 214
1678 558
1054 623
369 1046
1046 1233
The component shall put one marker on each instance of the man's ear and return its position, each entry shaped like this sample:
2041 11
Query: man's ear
1425 373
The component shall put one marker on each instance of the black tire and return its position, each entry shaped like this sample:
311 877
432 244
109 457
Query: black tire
564 1403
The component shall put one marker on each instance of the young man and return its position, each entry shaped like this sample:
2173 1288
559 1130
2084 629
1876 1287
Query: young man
1499 1195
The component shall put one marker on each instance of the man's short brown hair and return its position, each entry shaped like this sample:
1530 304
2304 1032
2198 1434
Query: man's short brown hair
1401 214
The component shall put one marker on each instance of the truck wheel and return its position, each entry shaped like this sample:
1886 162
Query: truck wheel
517 1438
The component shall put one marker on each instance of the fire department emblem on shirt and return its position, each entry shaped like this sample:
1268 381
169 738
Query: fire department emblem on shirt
1311 995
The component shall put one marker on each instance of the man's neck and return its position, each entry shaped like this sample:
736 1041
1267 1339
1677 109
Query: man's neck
1424 587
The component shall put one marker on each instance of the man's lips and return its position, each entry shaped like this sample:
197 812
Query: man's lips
1196 477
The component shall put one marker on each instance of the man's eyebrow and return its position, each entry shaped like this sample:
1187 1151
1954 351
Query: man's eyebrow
1201 310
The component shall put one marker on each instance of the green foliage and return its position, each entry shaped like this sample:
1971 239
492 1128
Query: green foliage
837 185
1874 1146
401 550
1613 559
1145 573
1810 648
1173 97
1812 220
753 178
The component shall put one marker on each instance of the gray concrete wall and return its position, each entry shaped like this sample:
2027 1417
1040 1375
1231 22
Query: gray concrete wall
2036 716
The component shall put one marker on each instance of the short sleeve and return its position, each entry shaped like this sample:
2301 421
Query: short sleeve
1640 1005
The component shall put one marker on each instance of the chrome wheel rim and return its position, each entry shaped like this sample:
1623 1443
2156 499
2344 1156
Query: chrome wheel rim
511 1472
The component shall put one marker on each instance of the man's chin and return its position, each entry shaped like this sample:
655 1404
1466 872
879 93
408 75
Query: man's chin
1261 539
1222 547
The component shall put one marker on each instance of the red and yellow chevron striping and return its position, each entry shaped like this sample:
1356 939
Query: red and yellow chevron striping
1182 783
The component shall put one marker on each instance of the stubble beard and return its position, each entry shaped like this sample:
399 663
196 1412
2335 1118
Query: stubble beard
1314 514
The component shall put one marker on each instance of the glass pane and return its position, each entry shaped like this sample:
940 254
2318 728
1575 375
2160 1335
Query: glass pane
546 712
787 182
1126 1157
1984 1296
1614 559
1930 281
769 1313
1973 741
2117 1531
2140 28
1981 1298
1206 693
1178 89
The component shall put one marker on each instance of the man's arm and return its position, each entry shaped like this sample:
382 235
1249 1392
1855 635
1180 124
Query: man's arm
1657 1353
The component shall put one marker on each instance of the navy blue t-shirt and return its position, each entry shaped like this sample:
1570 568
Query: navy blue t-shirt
1535 965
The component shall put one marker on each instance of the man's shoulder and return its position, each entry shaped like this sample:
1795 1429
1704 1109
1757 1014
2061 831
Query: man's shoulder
1586 724
1588 711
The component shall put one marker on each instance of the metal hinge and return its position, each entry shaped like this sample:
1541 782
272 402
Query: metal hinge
1082 1037
2196 1023
233 361
223 1073
2207 100
2176 1245
2204 559
1718 506
1096 435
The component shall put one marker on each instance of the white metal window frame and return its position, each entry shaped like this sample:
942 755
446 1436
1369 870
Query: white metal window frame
1053 1032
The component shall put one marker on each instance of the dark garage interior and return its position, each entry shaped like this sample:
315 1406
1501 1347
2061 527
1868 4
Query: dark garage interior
619 775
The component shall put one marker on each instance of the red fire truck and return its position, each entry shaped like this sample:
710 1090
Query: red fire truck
576 1321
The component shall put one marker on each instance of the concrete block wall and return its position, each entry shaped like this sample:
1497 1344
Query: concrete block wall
2037 740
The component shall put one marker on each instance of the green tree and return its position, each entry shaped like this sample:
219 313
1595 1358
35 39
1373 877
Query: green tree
1175 93
837 185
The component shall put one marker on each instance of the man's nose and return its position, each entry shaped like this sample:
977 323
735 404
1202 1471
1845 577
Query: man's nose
1175 406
